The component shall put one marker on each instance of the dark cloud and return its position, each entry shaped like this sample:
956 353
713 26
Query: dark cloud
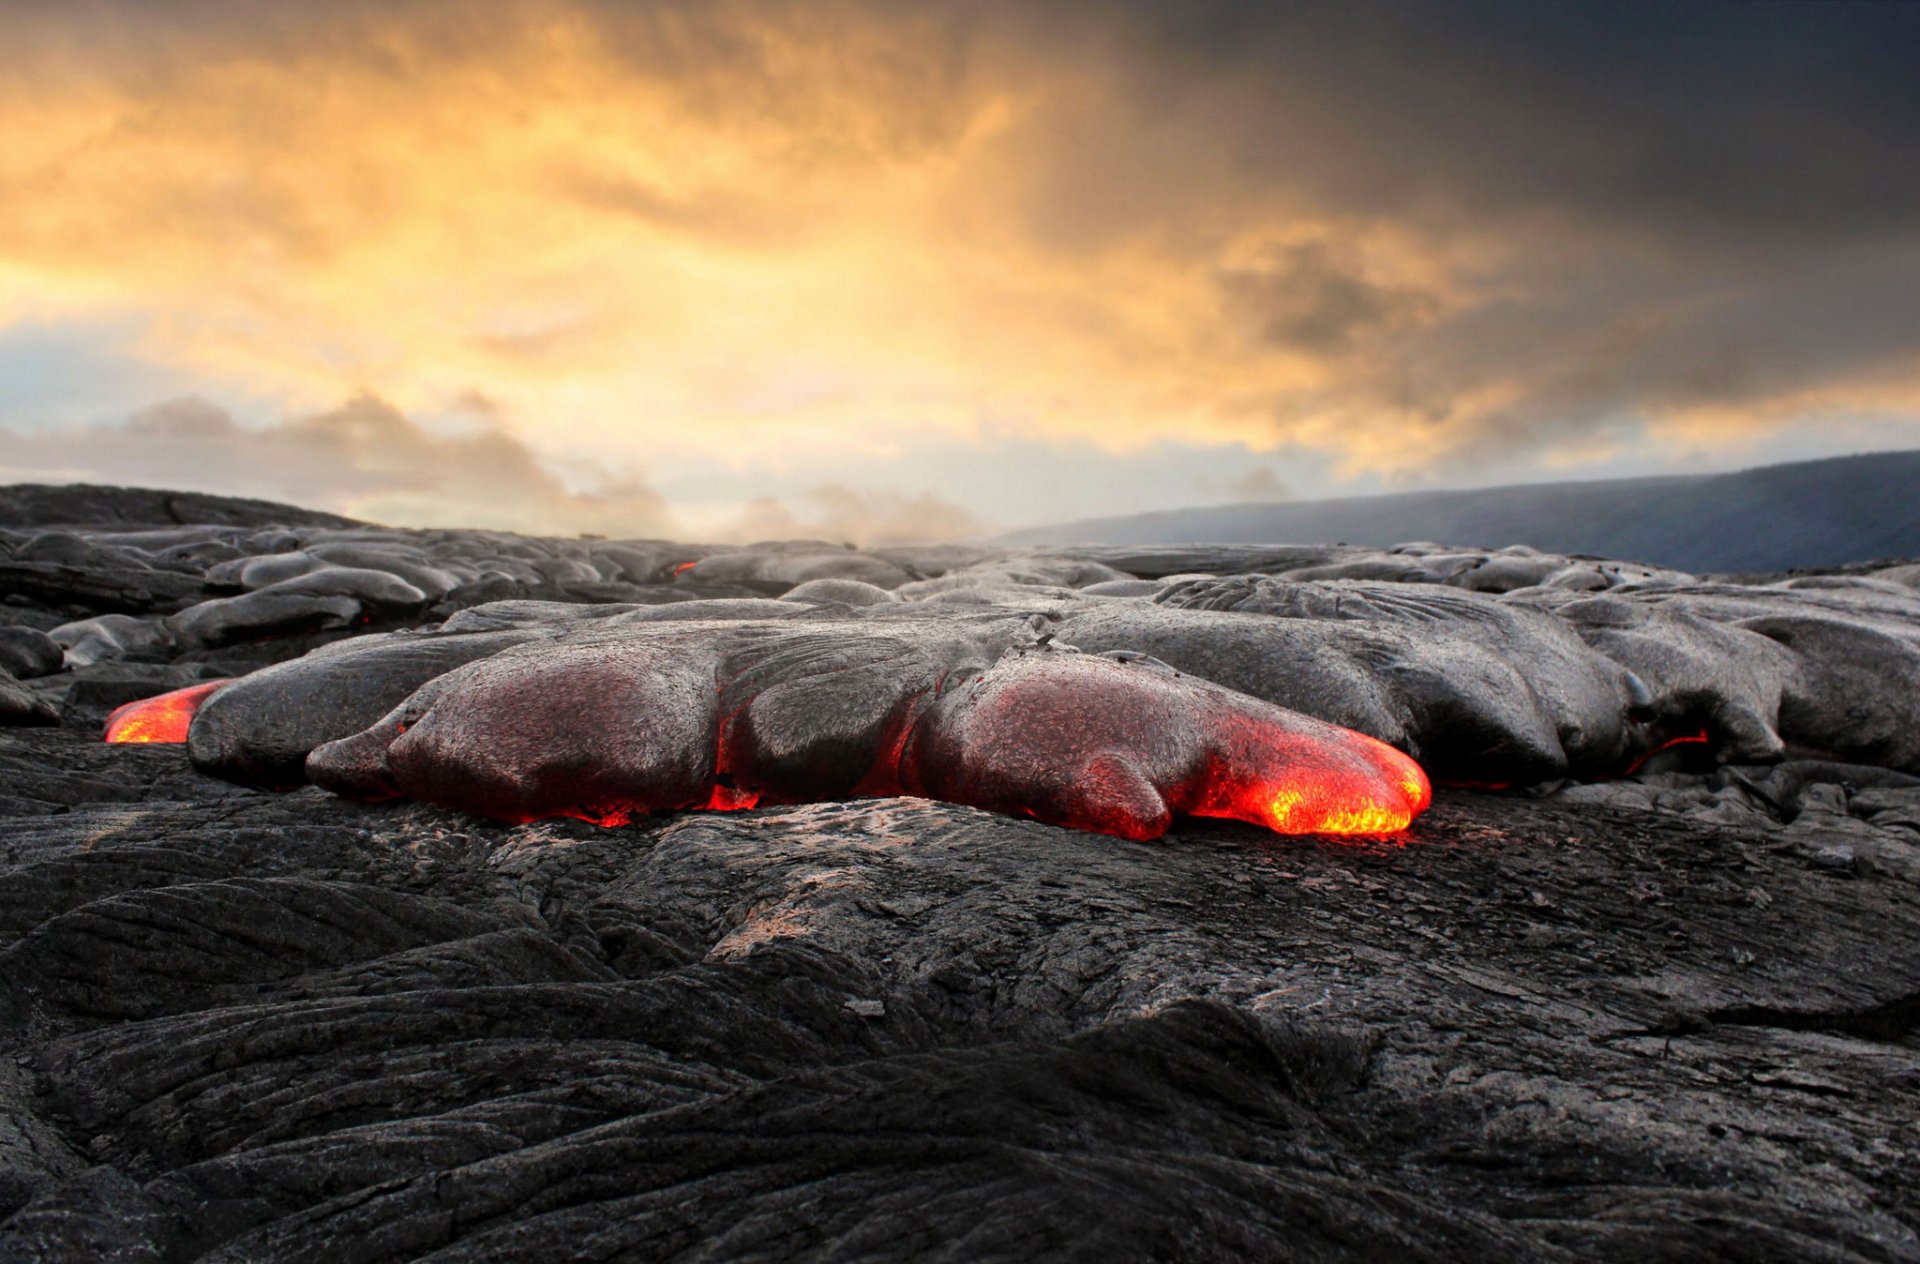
1307 298
1709 116
1721 115
364 458
1670 207
1572 350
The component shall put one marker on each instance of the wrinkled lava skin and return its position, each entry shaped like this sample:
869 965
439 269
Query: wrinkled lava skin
163 718
1121 745
260 730
593 731
612 728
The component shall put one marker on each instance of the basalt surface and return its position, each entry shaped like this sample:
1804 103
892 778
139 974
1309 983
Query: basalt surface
1658 1000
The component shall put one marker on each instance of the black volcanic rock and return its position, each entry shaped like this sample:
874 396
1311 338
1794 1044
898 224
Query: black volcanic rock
263 614
110 636
29 652
20 706
114 508
850 592
775 572
122 589
326 1028
1662 1010
249 572
1723 680
1474 701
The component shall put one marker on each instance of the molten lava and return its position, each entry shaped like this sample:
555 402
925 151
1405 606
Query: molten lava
728 799
608 734
1329 783
1686 739
164 718
1095 744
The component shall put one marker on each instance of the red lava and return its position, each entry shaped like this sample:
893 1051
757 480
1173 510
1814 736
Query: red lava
1078 742
1685 739
163 718
1380 797
1075 743
614 815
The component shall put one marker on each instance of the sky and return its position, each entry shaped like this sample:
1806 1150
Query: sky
882 272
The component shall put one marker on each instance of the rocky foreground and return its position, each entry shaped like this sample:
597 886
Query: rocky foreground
1655 1000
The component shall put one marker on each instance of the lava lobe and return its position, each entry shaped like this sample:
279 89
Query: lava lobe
1122 744
163 718
1116 744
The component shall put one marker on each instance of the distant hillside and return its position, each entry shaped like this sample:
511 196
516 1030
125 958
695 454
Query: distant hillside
1809 513
46 505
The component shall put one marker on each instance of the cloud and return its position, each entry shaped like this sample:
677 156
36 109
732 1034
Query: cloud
1712 120
840 514
364 458
1422 242
1258 484
1305 298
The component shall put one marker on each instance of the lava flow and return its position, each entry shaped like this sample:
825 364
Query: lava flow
1148 745
1337 782
163 718
615 815
608 736
1686 739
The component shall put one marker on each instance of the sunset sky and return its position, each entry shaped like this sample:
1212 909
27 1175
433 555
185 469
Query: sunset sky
884 270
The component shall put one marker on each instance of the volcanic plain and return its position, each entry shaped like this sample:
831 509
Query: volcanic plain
526 898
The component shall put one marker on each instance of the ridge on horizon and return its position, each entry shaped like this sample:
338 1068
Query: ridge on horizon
1822 512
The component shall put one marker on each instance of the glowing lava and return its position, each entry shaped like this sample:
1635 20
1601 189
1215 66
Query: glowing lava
1332 782
163 718
608 732
1343 803
1106 746
615 815
1686 739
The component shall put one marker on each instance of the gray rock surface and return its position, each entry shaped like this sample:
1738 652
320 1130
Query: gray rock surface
1665 1014
291 1027
28 652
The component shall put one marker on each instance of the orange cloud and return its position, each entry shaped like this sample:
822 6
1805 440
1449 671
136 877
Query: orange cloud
805 230
726 233
364 459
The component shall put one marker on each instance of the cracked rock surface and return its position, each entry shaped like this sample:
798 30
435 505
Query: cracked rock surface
246 1026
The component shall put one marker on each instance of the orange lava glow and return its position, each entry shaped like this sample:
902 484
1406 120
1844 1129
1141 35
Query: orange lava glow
684 567
1378 790
164 718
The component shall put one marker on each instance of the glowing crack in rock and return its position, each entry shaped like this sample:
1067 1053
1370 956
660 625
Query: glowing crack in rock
163 718
1701 738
